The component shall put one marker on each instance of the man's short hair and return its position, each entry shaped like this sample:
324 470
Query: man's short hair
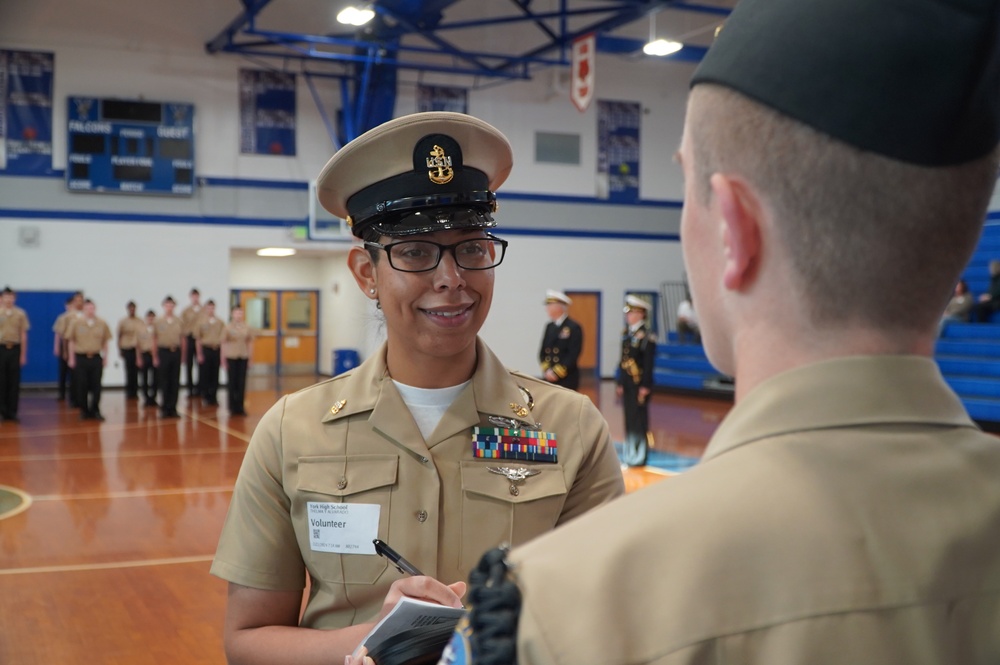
873 241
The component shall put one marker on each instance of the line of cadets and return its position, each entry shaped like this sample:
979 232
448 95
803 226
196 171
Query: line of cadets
153 351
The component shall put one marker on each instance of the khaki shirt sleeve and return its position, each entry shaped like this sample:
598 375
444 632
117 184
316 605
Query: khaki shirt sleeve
599 478
258 529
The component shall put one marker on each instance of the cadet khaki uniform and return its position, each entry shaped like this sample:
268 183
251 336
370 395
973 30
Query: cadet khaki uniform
128 339
14 328
237 341
189 320
88 339
208 337
147 373
169 335
352 440
844 512
61 328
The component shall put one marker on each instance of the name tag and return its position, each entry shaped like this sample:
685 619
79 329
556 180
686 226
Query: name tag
344 528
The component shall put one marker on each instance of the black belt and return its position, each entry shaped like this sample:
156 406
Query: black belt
87 355
169 348
209 346
10 345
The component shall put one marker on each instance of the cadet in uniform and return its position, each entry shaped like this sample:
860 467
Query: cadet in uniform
129 329
144 360
14 328
847 509
88 340
561 343
208 341
169 347
431 444
74 304
635 380
189 320
237 347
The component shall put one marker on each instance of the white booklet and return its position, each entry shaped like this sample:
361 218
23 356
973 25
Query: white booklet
410 613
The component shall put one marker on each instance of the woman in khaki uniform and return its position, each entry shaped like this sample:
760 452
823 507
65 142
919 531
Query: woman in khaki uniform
431 445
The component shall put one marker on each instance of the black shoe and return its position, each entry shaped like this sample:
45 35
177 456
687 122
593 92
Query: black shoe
97 416
12 419
238 413
150 402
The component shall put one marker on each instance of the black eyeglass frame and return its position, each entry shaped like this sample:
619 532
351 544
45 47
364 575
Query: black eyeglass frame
441 251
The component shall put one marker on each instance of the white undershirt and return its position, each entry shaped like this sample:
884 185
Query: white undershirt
427 405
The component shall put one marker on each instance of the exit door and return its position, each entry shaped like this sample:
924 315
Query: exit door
586 310
286 331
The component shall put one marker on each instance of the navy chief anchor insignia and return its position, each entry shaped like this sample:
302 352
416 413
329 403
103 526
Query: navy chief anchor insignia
440 164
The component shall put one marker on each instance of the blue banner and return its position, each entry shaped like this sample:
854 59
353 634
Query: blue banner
26 112
618 150
267 112
442 98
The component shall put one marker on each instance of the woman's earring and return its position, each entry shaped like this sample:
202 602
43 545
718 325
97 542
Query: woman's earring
371 291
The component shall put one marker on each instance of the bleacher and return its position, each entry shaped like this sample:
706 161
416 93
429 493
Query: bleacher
967 353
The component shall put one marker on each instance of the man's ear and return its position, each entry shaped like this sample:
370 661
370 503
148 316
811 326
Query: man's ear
363 270
740 210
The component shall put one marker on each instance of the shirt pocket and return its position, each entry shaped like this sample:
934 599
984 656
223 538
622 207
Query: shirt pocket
493 515
359 479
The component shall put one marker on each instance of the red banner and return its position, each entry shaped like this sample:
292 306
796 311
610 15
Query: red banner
581 89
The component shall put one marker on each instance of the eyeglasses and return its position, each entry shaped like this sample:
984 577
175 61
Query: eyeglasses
424 255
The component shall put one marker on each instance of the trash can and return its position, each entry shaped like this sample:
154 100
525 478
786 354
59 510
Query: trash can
345 359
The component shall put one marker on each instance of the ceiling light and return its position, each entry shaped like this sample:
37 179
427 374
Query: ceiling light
276 251
354 16
662 47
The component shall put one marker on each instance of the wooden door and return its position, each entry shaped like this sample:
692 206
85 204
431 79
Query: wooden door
298 338
586 310
261 311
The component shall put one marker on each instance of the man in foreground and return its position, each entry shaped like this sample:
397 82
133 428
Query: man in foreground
847 510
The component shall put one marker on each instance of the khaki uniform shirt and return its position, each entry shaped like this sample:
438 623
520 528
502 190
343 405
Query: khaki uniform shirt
128 332
168 332
144 337
190 317
351 439
13 324
844 512
236 338
59 327
208 331
89 335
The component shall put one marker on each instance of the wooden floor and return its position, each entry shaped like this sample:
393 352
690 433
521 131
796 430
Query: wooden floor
109 562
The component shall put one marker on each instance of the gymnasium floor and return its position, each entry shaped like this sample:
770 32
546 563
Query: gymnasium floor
108 563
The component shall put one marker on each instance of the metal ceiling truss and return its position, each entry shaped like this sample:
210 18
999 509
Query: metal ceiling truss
368 59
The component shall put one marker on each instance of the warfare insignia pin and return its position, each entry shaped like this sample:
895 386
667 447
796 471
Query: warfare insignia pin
518 410
335 409
514 476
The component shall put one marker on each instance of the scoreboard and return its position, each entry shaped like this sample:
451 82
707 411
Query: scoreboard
133 147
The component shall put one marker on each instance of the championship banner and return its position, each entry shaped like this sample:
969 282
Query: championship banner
267 112
581 89
442 98
618 150
26 112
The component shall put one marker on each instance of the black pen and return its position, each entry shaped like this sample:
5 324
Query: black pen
402 565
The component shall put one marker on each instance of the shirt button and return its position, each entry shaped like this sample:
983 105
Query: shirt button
342 483
421 515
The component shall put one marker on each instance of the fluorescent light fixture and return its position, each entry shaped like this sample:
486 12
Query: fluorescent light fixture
276 251
354 16
662 47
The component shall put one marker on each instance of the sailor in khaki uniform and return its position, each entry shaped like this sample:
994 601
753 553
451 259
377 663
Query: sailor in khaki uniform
847 510
64 384
169 347
88 341
128 332
190 317
431 444
14 328
208 343
237 347
147 372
